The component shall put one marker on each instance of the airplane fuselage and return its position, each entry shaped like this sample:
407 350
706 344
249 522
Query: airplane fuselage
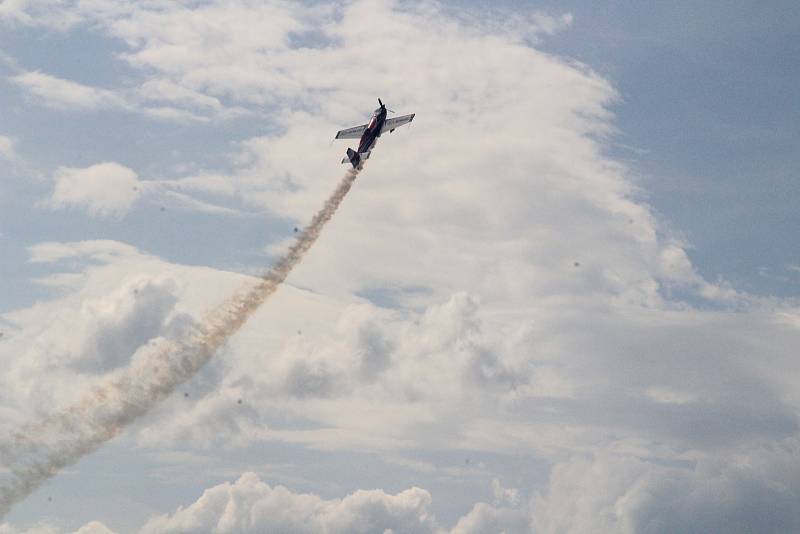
373 130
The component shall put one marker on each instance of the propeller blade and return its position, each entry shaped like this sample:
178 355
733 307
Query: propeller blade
387 109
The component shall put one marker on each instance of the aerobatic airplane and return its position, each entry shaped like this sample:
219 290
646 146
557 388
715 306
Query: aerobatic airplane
370 132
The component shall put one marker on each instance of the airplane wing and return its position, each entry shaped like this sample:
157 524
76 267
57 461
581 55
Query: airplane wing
351 133
390 124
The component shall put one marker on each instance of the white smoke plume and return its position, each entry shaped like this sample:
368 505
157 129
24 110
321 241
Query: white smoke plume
40 450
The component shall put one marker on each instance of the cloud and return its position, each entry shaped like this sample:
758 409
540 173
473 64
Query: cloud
486 518
65 94
103 189
41 528
149 99
49 13
93 527
119 305
190 203
489 378
110 189
170 92
212 52
750 491
599 493
453 375
201 105
102 250
459 216
249 505
7 148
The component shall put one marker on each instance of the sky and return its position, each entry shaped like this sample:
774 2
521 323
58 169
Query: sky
563 299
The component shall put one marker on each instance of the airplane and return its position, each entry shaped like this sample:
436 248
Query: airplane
370 132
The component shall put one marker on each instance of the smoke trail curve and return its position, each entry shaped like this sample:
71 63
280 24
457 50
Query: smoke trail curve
39 451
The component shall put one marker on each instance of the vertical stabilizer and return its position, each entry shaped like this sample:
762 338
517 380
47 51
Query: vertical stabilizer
353 157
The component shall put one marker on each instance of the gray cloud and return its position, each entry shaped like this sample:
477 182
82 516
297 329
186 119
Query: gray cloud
749 491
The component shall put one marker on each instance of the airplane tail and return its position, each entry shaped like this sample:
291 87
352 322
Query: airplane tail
355 158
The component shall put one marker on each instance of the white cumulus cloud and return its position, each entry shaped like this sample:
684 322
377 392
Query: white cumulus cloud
102 190
250 505
61 93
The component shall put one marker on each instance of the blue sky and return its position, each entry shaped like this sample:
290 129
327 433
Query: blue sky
707 91
562 300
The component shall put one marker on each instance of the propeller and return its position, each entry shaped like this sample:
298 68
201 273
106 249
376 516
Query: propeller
387 109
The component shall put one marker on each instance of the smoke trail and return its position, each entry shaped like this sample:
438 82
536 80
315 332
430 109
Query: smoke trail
38 451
